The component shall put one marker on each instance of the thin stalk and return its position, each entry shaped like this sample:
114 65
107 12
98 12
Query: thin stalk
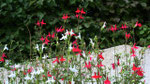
126 40
114 56
78 26
30 42
133 36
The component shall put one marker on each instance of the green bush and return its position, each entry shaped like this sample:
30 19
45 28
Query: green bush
17 15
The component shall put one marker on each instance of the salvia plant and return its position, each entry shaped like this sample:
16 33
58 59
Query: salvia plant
62 57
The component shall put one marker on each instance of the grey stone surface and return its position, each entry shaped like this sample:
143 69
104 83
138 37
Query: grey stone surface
145 63
108 55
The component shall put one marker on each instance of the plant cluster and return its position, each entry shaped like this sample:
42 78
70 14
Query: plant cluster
17 15
62 57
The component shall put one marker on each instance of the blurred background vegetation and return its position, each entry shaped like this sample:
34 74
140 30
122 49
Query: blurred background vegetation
16 15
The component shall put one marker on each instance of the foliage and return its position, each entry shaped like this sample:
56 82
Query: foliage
74 59
17 15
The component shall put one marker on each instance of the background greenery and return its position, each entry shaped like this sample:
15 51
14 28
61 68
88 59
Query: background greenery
15 15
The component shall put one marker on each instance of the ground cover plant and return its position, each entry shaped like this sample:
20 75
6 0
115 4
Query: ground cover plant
62 56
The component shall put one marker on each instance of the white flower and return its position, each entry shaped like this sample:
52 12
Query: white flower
41 69
45 56
67 32
43 46
72 82
91 41
83 53
73 69
64 37
17 66
12 75
6 81
79 36
50 80
5 48
28 78
104 25
38 72
33 72
71 32
37 47
70 47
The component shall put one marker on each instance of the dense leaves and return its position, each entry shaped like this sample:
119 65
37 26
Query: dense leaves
17 15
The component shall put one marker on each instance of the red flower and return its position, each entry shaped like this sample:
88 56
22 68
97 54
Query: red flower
42 23
74 42
118 62
80 17
30 70
49 35
135 46
24 73
4 55
49 75
43 75
138 24
89 52
13 69
113 65
62 79
140 72
148 46
42 39
38 23
88 66
99 65
128 35
107 81
132 50
77 11
123 26
77 15
100 56
2 59
53 35
46 41
96 76
56 60
133 55
76 50
113 28
134 68
60 29
62 59
65 17
82 12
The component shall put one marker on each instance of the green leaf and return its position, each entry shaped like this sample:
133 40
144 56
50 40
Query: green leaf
141 32
72 2
3 4
40 15
144 4
32 2
19 10
8 1
87 25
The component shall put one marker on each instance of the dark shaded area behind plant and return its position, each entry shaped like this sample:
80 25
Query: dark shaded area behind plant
15 15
